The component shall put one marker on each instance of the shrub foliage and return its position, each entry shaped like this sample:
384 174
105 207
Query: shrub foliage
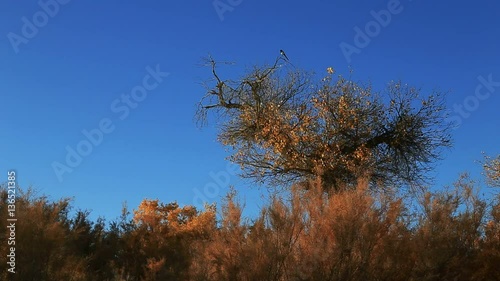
452 234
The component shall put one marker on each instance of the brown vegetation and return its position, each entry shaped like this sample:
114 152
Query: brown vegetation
353 235
343 151
283 127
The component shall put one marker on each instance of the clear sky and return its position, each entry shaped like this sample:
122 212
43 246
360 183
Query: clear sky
65 65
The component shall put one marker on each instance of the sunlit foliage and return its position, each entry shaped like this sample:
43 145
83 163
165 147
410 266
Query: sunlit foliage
341 148
284 126
357 234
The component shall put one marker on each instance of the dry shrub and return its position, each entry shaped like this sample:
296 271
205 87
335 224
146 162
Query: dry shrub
356 235
307 234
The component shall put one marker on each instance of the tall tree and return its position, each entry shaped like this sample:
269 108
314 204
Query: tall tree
283 126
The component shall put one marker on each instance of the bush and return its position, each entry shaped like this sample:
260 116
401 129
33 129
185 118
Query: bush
356 234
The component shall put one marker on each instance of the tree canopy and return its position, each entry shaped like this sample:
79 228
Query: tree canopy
284 126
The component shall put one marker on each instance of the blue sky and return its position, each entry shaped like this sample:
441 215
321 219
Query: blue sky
63 74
